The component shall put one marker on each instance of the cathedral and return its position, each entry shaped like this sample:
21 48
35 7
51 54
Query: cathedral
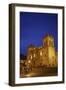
44 56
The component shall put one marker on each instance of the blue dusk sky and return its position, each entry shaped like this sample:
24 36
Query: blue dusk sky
34 26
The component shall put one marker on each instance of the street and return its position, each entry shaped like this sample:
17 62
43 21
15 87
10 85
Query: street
40 72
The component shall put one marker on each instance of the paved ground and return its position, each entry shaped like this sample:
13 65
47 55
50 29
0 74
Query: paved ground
40 72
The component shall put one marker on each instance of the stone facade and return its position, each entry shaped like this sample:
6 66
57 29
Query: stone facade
45 56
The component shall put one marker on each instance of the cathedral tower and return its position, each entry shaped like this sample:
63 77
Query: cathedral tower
48 44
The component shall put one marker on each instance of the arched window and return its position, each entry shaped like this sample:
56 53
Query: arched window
40 53
34 55
31 56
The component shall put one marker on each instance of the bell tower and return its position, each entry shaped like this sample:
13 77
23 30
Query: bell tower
48 41
48 44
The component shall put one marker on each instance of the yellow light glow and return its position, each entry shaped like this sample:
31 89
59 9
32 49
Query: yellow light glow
40 53
29 61
31 56
34 55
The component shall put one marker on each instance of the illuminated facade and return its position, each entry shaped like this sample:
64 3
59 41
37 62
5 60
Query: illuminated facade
42 56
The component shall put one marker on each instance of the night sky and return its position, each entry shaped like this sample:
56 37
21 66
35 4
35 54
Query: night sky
34 26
